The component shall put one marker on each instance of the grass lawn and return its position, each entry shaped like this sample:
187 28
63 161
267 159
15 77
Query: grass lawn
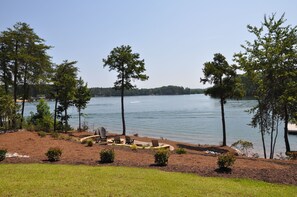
70 180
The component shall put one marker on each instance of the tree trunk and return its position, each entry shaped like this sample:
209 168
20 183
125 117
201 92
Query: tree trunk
79 119
288 149
263 143
15 73
262 130
223 122
122 100
24 96
271 136
123 111
66 121
55 116
276 134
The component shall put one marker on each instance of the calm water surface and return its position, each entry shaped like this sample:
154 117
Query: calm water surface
188 118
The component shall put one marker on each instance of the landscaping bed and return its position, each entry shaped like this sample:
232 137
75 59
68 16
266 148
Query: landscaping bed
196 160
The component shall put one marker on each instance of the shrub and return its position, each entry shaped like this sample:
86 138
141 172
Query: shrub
2 154
226 160
89 142
107 156
41 133
53 154
180 151
55 135
42 120
133 147
161 157
243 146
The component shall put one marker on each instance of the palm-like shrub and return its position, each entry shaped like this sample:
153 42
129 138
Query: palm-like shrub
2 154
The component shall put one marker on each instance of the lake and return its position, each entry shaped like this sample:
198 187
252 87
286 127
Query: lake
188 118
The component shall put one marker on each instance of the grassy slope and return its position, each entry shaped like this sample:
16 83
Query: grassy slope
67 180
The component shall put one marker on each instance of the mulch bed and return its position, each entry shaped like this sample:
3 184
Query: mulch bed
196 160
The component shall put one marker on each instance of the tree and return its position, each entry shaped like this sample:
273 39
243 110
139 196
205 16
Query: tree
226 84
42 119
129 67
5 72
64 82
24 60
7 110
270 61
82 97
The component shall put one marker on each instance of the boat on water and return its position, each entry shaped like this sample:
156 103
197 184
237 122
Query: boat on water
292 129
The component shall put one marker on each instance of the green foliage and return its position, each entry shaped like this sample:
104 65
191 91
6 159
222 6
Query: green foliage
82 97
180 151
90 142
270 62
2 154
8 111
64 85
164 90
133 147
54 154
226 84
244 146
24 61
42 119
55 135
226 160
161 157
41 133
107 156
129 67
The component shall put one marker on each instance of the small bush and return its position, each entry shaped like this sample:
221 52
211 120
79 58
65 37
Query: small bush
53 154
41 133
2 154
55 135
107 156
161 157
133 147
90 143
180 151
226 160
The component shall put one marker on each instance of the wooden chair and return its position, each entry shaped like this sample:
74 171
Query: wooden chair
129 140
117 140
155 143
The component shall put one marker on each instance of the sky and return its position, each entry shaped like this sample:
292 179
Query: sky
174 37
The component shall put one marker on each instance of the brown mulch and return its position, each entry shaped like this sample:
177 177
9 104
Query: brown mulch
196 160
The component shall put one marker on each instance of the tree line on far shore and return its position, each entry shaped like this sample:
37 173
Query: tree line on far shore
165 90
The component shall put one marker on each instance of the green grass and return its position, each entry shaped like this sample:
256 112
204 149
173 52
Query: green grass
69 180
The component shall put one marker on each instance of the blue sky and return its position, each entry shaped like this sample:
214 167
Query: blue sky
174 37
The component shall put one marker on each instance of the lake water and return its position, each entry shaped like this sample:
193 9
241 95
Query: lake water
189 118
